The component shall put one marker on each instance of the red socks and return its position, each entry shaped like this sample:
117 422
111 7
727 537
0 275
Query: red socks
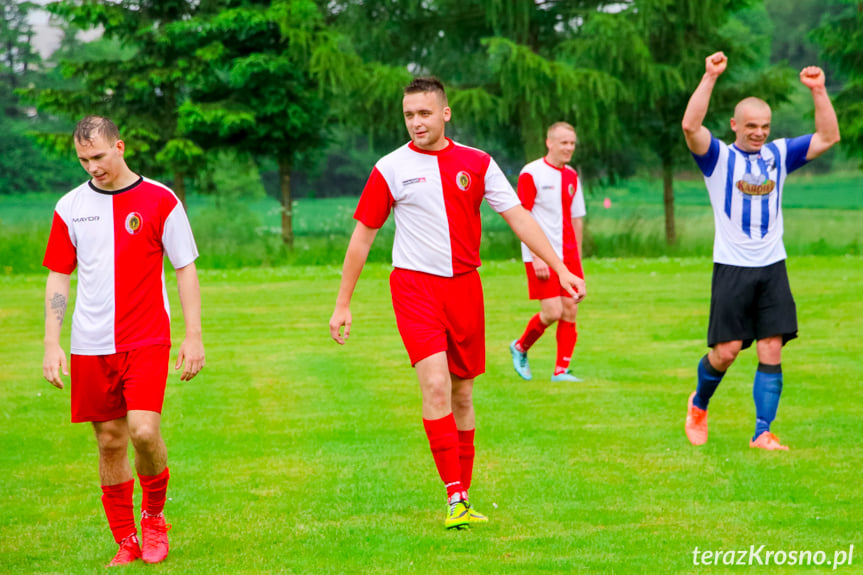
465 456
535 329
117 501
566 338
154 488
444 442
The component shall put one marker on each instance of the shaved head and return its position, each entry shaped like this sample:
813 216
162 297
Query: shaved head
751 124
750 104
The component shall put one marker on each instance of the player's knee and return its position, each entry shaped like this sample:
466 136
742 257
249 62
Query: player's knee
436 392
110 438
725 356
111 446
551 315
146 437
462 401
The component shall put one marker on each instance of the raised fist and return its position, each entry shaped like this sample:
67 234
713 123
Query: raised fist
812 77
715 64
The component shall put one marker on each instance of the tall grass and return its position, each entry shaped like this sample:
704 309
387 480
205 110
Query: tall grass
823 216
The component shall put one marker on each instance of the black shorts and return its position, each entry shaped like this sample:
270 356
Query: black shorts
747 304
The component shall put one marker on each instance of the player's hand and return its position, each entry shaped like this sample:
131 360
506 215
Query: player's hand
341 317
715 64
574 285
53 363
192 355
540 268
812 77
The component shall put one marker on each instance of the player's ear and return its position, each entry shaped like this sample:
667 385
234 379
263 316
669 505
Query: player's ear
447 114
121 146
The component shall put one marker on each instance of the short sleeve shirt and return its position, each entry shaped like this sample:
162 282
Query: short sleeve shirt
118 240
746 194
553 196
435 198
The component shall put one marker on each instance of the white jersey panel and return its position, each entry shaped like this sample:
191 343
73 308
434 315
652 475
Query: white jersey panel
498 191
578 208
89 217
422 238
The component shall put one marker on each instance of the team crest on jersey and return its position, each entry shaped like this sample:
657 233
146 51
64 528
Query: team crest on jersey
134 221
571 190
755 185
462 180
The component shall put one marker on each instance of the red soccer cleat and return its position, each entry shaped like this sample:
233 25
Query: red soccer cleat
129 551
696 423
768 441
154 532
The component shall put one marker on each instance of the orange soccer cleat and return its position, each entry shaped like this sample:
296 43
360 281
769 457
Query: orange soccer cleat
696 423
768 441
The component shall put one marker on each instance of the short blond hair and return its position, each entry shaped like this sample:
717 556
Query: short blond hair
557 125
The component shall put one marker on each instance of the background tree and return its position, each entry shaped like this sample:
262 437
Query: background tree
140 84
24 167
16 42
657 49
266 72
841 41
515 80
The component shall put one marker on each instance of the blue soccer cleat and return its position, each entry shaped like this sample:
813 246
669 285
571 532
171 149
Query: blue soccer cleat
519 361
566 376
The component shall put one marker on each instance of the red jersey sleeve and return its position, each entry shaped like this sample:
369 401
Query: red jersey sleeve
61 256
526 191
376 201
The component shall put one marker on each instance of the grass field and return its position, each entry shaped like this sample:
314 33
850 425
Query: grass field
289 454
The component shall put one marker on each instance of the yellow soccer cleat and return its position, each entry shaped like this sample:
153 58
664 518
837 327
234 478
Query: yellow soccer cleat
458 515
474 516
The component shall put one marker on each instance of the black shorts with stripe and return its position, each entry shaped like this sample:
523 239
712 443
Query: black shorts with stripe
748 304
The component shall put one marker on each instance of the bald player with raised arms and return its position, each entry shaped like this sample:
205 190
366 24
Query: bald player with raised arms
750 295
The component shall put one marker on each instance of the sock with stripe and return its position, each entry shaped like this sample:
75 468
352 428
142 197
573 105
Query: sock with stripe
119 509
154 488
766 392
708 380
466 453
567 336
443 440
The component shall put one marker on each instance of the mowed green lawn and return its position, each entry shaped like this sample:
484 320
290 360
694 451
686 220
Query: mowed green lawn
290 454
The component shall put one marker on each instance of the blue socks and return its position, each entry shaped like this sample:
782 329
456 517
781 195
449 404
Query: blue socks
708 381
766 391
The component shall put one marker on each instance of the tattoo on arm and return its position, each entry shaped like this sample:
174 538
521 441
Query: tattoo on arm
58 306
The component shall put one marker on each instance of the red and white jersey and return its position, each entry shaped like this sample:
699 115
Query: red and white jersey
553 196
435 198
118 240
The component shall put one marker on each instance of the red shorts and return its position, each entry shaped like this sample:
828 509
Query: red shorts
437 314
545 289
105 387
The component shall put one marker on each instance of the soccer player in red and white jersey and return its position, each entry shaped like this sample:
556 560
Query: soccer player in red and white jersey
116 229
551 191
434 187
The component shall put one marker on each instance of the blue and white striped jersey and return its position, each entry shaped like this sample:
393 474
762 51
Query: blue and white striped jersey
746 194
